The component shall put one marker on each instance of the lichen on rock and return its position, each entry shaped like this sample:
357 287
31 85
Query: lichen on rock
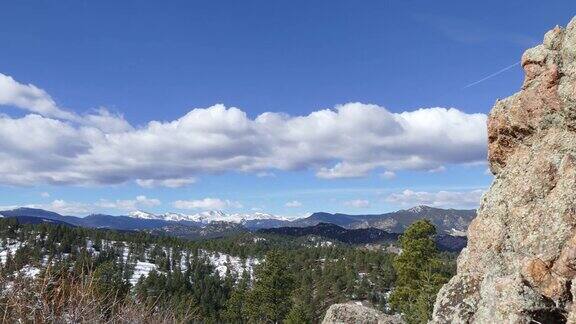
520 263
353 313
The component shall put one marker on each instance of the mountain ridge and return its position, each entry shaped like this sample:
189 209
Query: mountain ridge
369 235
450 221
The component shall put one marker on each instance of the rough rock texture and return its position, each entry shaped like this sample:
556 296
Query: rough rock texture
520 263
352 313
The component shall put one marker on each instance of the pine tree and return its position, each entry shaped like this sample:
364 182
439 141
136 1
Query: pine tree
302 310
418 278
269 300
235 309
297 315
110 285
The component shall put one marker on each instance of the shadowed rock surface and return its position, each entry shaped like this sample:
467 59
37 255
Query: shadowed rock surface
520 263
352 313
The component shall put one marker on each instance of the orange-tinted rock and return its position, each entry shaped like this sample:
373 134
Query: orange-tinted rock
520 263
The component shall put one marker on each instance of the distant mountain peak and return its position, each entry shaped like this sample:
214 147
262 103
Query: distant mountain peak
419 209
206 217
142 215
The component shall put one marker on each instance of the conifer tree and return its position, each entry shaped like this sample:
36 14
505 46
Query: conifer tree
235 308
269 301
302 310
110 285
418 279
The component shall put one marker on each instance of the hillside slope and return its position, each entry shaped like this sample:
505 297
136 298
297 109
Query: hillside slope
361 236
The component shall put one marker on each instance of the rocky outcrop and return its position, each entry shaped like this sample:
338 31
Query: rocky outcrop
520 263
352 313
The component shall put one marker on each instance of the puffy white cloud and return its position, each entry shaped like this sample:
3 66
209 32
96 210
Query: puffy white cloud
45 194
206 204
75 208
357 203
351 140
29 97
63 207
106 121
130 204
389 175
293 204
264 174
168 183
68 208
437 199
438 169
33 99
346 170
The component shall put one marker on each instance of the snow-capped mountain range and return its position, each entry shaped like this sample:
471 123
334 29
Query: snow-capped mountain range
451 221
206 217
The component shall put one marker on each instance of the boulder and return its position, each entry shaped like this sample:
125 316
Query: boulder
520 262
356 313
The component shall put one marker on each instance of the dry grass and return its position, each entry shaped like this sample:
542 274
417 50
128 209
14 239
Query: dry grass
68 298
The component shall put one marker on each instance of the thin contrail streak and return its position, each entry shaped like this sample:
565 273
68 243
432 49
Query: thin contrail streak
491 75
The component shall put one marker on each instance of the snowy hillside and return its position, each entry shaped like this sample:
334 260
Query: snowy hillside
140 262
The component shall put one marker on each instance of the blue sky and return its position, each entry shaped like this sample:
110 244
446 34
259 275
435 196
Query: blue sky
83 80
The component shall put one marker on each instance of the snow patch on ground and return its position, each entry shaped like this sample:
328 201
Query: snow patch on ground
142 269
30 271
10 248
223 262
456 232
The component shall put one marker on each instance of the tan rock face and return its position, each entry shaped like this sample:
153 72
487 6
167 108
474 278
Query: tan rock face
520 263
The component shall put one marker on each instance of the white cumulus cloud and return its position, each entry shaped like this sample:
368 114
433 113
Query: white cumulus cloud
76 208
409 198
29 97
389 175
140 202
293 204
54 146
63 207
206 204
357 203
168 183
